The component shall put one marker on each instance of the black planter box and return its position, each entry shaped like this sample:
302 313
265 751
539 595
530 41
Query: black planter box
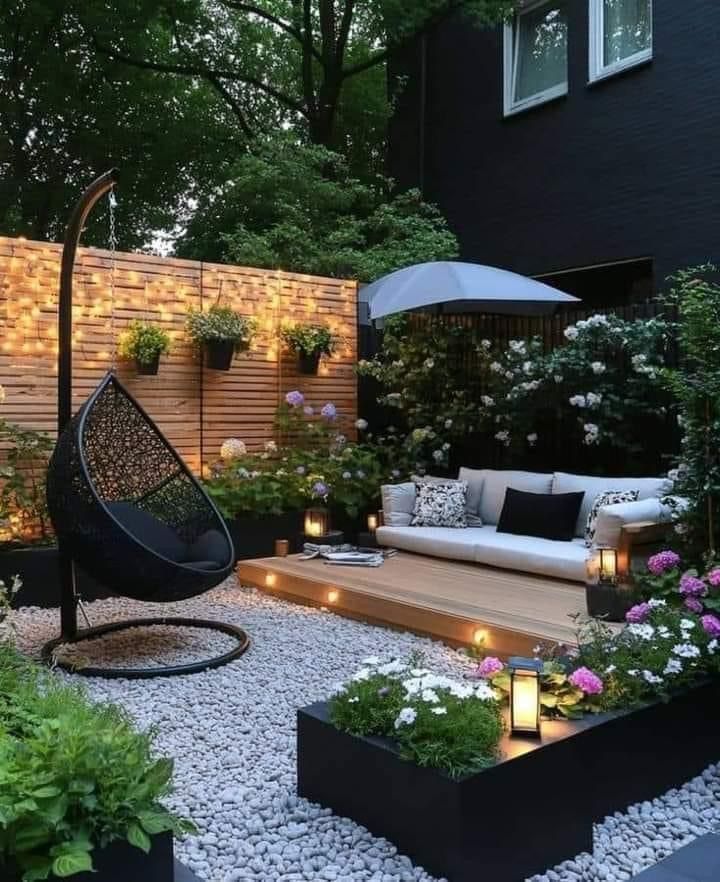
122 862
532 810
37 566
254 535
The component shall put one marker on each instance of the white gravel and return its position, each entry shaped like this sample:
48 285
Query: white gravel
232 733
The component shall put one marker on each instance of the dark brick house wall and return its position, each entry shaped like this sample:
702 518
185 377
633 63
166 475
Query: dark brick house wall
625 168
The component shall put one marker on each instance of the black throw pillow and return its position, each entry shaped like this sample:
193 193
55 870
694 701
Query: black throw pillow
545 515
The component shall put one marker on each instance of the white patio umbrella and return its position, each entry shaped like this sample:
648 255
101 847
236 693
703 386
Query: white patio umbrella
454 287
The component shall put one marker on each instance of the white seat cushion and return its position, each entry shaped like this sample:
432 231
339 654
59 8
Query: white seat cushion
398 502
484 545
593 486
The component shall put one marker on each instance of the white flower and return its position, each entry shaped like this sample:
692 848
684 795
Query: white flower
232 448
571 332
651 678
406 717
598 367
438 710
446 446
361 424
504 436
712 646
644 632
271 447
392 667
577 400
527 367
656 602
558 378
633 672
610 668
429 364
593 399
686 650
484 691
346 476
532 438
430 696
508 375
438 455
517 345
674 666
487 400
371 661
486 344
496 367
594 320
687 624
448 423
664 632
353 700
361 675
461 690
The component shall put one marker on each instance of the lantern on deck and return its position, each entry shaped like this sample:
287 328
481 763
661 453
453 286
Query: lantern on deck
608 572
525 696
317 522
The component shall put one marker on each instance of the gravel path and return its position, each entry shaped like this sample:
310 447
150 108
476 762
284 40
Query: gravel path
232 733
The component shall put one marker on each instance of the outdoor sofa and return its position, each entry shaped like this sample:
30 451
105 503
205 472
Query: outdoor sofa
618 526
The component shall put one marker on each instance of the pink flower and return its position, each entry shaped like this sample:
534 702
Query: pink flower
694 605
637 614
713 577
662 561
587 680
488 667
711 625
691 586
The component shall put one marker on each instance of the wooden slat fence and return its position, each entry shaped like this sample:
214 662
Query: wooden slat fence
197 409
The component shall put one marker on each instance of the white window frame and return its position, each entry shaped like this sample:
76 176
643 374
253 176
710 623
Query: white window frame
510 57
599 70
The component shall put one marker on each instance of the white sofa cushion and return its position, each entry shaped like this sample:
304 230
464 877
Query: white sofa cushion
475 480
484 545
495 483
593 486
398 502
612 518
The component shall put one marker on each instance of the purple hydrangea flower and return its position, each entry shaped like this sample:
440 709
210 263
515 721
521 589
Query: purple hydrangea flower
713 577
662 562
694 605
308 410
329 411
587 680
691 586
295 398
488 667
637 614
320 488
711 625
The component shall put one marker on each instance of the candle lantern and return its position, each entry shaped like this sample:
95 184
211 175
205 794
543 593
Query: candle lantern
372 523
282 547
317 522
608 566
608 595
525 696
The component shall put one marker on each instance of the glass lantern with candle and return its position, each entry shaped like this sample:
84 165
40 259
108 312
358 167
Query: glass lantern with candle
525 696
608 596
316 522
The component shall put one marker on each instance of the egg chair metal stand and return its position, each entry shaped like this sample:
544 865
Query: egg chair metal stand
124 505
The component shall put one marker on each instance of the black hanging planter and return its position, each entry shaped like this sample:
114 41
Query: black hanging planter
308 362
148 368
219 354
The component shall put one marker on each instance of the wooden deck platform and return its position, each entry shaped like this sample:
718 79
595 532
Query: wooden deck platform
459 603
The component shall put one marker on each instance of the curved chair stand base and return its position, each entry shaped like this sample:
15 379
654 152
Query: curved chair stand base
243 642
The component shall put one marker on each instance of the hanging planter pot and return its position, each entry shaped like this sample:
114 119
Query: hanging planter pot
219 354
308 362
148 368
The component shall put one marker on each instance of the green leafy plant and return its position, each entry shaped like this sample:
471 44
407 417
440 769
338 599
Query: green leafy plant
308 339
74 776
143 342
435 721
220 323
7 593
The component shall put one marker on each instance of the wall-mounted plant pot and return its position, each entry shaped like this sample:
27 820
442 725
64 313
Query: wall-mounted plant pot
148 368
120 862
219 354
308 363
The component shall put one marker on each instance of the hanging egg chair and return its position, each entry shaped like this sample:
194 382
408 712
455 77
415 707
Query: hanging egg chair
123 504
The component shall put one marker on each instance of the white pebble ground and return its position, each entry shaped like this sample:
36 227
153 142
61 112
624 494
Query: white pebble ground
232 734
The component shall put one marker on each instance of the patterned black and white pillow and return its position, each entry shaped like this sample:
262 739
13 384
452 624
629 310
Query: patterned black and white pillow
607 497
440 504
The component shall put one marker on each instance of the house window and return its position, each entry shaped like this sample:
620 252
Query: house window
620 35
535 55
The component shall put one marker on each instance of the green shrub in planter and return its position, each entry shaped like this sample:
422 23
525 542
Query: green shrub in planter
309 342
145 343
74 776
221 332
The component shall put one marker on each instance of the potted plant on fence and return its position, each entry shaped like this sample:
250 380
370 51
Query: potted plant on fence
220 332
145 343
309 343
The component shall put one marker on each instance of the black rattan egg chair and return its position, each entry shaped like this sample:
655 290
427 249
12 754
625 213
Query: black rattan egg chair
123 504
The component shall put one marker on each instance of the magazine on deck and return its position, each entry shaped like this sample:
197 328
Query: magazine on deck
354 558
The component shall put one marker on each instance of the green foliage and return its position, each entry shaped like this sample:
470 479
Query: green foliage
298 207
220 323
435 721
23 506
695 385
603 385
7 592
308 339
143 342
74 776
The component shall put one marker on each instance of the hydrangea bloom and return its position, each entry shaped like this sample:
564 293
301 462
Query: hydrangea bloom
694 605
232 449
320 488
692 586
308 410
489 666
711 625
662 562
361 424
713 577
406 717
295 398
587 680
329 411
638 613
